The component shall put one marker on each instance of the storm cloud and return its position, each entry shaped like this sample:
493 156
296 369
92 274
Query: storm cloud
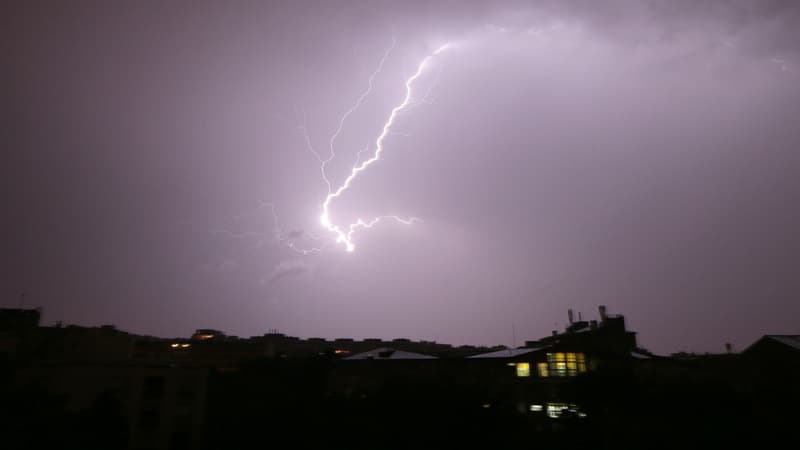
642 155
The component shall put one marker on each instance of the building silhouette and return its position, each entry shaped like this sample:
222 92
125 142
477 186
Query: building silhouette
588 386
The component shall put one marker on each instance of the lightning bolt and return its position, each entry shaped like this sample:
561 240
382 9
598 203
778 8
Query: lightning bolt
356 105
346 237
344 234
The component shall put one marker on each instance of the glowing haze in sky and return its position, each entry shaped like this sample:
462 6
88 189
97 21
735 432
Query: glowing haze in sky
179 165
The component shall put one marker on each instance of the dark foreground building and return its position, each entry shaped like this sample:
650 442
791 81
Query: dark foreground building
589 386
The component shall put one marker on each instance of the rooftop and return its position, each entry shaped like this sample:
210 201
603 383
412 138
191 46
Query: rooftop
792 340
507 353
389 353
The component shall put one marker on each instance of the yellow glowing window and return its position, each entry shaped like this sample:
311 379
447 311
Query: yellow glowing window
572 363
542 367
565 364
523 369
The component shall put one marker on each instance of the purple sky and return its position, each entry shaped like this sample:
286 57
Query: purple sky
642 155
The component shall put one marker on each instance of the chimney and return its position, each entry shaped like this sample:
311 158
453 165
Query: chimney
603 316
569 315
580 317
729 347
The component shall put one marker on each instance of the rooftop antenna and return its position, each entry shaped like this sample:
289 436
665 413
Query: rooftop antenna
21 300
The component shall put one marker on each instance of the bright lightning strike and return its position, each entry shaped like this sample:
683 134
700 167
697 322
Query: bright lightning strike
359 101
342 236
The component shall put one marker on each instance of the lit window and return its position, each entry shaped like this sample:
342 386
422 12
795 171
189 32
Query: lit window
572 363
523 369
554 409
557 410
565 364
560 410
536 407
175 345
542 368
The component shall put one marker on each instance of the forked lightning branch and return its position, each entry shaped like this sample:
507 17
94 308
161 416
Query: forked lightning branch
343 233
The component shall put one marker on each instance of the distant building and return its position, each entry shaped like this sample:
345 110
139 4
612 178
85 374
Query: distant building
770 372
17 319
777 348
543 378
16 325
207 334
583 347
774 360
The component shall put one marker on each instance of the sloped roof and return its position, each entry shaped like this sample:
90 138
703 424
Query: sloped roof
792 340
507 353
389 353
641 355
